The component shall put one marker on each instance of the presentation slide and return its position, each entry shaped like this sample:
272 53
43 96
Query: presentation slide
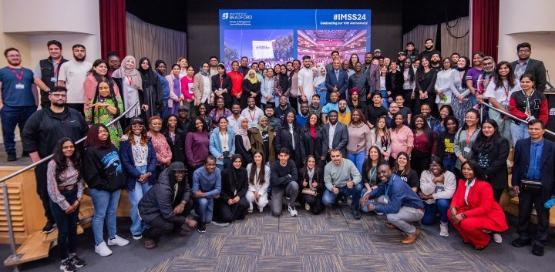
281 35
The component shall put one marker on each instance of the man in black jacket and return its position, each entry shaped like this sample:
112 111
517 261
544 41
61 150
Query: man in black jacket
166 205
284 182
41 133
47 70
526 65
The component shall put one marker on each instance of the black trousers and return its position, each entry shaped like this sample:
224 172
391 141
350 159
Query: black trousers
160 226
315 202
224 212
67 225
42 190
293 102
527 201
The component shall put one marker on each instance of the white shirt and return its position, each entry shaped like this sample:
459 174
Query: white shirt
267 89
223 140
445 82
382 83
252 115
503 93
233 123
407 85
467 190
207 88
292 135
331 133
306 80
74 74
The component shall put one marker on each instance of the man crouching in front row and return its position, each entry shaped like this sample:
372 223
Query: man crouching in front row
395 198
166 206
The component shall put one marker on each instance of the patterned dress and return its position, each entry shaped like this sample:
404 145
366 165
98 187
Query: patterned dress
102 116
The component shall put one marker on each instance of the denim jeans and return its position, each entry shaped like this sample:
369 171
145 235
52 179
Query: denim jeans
105 204
137 225
357 159
67 225
519 131
10 118
329 197
431 211
205 209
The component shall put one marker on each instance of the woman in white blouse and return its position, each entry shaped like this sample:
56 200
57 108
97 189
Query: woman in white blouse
259 181
445 84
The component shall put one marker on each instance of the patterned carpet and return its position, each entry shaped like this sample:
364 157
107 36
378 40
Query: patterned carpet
331 241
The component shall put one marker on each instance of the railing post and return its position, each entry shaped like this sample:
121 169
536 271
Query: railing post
13 257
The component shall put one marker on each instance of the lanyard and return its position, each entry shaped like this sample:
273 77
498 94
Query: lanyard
469 137
221 82
252 114
129 80
19 76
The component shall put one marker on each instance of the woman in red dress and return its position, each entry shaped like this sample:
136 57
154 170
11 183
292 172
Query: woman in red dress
474 212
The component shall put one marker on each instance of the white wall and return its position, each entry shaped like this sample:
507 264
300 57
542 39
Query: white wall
531 21
34 22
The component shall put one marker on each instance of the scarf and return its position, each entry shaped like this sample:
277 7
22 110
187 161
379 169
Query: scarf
132 75
250 79
259 127
204 73
320 78
244 135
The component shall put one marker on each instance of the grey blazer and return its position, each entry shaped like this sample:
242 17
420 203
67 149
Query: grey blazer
340 139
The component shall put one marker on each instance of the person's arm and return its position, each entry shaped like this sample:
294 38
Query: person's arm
189 149
165 201
544 111
410 140
355 174
267 178
343 138
458 148
540 77
213 146
515 111
329 85
327 178
225 181
486 202
499 162
52 187
196 183
30 136
152 161
449 186
127 161
394 204
62 74
427 186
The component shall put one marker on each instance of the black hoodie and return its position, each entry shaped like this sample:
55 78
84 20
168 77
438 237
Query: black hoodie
102 168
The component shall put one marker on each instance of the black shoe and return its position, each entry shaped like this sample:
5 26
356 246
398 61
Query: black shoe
67 266
356 214
48 228
520 242
537 249
77 262
12 157
201 228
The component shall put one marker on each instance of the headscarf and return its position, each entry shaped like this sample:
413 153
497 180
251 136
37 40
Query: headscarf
207 73
130 74
244 134
259 127
321 77
149 76
252 80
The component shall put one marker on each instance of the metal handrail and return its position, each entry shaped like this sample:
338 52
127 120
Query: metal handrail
47 158
512 116
4 187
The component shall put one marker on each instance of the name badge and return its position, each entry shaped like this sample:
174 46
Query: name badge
466 149
53 79
20 86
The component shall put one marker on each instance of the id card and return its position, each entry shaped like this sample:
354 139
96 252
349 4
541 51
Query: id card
466 149
20 86
53 79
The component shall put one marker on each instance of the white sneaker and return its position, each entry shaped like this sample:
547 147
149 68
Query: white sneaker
250 210
497 238
292 211
261 209
102 249
137 237
443 229
307 206
117 241
221 224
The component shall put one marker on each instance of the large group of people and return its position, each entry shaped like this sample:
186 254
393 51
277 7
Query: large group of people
388 136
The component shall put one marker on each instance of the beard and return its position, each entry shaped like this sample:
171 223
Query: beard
14 63
79 59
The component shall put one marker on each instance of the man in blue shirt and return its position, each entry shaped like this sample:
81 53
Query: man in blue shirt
532 180
399 202
302 117
17 99
207 185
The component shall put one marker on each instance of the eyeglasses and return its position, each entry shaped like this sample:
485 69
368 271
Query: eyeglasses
58 95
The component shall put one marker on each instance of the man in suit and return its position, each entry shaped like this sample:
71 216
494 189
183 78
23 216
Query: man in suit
372 79
526 65
533 181
334 136
337 79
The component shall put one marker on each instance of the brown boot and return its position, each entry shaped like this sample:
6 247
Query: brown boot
411 237
149 243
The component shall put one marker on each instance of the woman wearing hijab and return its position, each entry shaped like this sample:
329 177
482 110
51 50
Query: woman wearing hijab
262 139
251 86
152 90
242 142
131 85
176 97
320 83
232 203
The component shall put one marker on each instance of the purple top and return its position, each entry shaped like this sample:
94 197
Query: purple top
176 87
196 147
473 74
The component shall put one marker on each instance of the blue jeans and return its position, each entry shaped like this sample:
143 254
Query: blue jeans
205 209
10 118
137 225
431 211
357 159
66 224
519 131
329 197
105 205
